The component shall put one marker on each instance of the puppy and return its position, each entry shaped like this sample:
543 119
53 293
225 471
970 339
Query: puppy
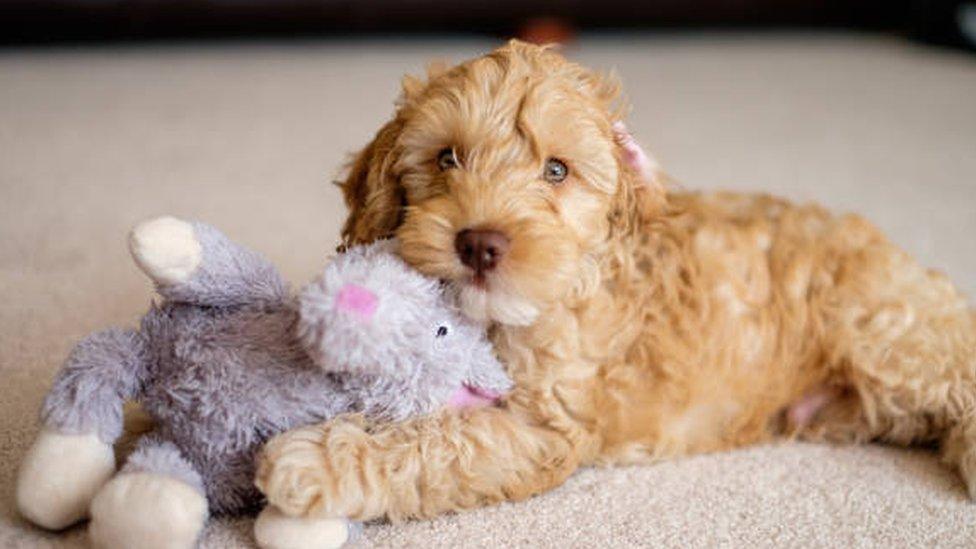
638 323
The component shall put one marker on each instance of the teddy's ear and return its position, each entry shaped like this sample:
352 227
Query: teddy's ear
642 186
372 192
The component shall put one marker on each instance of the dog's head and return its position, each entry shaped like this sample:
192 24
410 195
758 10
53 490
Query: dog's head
507 176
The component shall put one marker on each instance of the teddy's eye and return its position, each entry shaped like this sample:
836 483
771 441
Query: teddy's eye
441 331
447 160
555 171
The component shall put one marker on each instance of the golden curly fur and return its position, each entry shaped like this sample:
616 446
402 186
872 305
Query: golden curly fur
639 323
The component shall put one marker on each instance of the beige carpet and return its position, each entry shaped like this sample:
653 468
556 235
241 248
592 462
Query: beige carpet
246 137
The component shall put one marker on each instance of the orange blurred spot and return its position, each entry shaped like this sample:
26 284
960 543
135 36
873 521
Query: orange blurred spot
547 30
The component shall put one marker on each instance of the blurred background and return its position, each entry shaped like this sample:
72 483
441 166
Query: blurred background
141 106
950 22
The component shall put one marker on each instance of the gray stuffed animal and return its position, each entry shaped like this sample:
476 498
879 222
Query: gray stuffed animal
228 360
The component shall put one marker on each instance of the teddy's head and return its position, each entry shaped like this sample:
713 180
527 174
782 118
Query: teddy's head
371 314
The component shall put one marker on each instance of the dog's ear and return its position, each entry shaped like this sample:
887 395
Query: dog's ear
412 86
641 190
372 192
605 89
642 187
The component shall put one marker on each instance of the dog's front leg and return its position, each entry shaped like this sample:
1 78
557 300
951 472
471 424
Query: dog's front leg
417 468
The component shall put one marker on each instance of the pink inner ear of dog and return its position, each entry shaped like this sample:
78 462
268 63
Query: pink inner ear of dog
357 300
635 157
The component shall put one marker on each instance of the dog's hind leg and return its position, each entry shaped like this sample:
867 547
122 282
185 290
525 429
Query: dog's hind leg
192 262
900 342
959 450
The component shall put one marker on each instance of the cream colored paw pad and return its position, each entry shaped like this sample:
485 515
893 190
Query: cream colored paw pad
275 530
147 511
166 248
60 476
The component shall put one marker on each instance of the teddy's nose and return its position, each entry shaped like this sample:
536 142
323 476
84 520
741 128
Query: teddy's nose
357 300
481 249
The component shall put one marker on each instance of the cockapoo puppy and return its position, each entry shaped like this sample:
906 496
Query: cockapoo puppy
638 322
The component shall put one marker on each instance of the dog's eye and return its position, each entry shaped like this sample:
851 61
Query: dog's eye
447 160
555 171
441 331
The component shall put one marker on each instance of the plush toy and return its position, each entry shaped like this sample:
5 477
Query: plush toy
228 360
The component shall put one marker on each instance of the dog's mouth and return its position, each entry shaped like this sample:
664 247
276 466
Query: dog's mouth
474 281
479 280
487 299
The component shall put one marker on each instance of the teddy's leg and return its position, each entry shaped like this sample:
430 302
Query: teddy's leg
417 468
276 530
156 501
192 262
80 419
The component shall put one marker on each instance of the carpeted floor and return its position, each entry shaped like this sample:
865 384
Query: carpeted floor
247 136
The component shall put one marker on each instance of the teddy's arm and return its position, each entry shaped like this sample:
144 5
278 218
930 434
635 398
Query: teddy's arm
102 371
192 262
417 468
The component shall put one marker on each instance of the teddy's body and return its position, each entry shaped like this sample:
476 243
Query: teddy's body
230 358
217 384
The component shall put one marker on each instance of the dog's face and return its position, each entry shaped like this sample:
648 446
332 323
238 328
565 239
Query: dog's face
502 176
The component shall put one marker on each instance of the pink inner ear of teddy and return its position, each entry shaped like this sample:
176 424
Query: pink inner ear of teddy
357 300
472 397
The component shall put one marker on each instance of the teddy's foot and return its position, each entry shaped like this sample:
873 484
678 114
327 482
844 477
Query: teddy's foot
60 476
166 249
275 530
147 511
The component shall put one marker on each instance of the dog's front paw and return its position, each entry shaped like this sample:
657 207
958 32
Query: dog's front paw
275 530
60 476
292 470
166 249
317 470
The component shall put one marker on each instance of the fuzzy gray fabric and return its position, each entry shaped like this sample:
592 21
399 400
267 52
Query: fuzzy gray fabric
102 371
230 276
228 360
248 135
155 454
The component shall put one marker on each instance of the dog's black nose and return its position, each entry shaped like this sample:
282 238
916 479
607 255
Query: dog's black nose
481 249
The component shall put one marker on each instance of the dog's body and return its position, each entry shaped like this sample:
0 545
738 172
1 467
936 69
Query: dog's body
637 323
